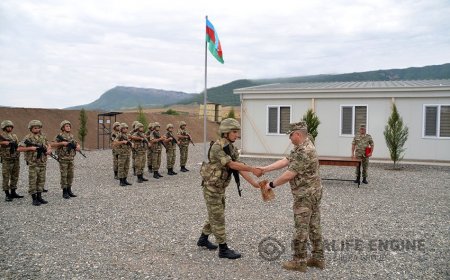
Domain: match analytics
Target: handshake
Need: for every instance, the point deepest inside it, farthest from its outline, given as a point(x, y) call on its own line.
point(267, 192)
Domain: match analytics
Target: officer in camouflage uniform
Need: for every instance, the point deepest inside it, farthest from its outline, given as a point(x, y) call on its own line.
point(150, 147)
point(36, 158)
point(114, 135)
point(306, 187)
point(216, 176)
point(10, 158)
point(123, 146)
point(184, 138)
point(140, 146)
point(359, 144)
point(133, 152)
point(156, 141)
point(171, 149)
point(66, 157)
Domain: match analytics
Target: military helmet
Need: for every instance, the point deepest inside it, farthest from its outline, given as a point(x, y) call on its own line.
point(133, 125)
point(123, 125)
point(182, 123)
point(229, 124)
point(116, 124)
point(169, 126)
point(150, 125)
point(34, 123)
point(7, 123)
point(63, 123)
point(138, 125)
point(156, 124)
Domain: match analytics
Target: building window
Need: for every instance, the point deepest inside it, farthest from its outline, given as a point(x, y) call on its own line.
point(352, 116)
point(278, 119)
point(436, 121)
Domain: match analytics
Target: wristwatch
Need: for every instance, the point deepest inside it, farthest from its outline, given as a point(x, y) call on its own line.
point(271, 185)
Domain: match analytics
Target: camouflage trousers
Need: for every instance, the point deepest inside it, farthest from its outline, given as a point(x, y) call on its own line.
point(365, 167)
point(115, 160)
point(66, 170)
point(215, 224)
point(149, 156)
point(171, 157)
point(307, 225)
point(124, 164)
point(10, 172)
point(133, 157)
point(36, 177)
point(184, 150)
point(156, 160)
point(140, 161)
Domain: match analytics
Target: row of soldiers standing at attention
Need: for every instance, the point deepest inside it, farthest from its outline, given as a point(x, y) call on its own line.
point(147, 146)
point(36, 149)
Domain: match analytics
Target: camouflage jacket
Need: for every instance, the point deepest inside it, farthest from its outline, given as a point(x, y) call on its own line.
point(32, 156)
point(122, 149)
point(156, 146)
point(361, 142)
point(171, 145)
point(114, 135)
point(304, 161)
point(139, 145)
point(5, 151)
point(64, 152)
point(183, 141)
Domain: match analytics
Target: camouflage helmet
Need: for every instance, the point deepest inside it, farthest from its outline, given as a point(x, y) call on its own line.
point(229, 124)
point(150, 125)
point(63, 123)
point(156, 124)
point(169, 126)
point(123, 125)
point(182, 123)
point(116, 124)
point(7, 123)
point(133, 124)
point(34, 123)
point(138, 125)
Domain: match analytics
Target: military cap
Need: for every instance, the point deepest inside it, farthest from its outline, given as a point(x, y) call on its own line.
point(182, 123)
point(63, 123)
point(301, 125)
point(34, 123)
point(169, 126)
point(362, 126)
point(229, 124)
point(7, 123)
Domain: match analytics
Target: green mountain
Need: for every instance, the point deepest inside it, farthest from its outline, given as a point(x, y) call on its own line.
point(120, 98)
point(224, 94)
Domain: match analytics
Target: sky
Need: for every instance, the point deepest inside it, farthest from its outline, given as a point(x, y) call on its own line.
point(61, 53)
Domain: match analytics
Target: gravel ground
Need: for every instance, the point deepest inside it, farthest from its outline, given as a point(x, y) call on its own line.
point(149, 231)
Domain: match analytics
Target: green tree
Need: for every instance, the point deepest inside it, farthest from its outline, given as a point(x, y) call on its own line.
point(313, 122)
point(83, 131)
point(171, 112)
point(231, 114)
point(395, 134)
point(141, 117)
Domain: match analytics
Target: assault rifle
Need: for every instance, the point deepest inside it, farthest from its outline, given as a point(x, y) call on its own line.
point(174, 141)
point(13, 145)
point(41, 149)
point(235, 173)
point(189, 137)
point(71, 146)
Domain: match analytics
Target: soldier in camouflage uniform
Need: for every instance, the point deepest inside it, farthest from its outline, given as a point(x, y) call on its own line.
point(156, 141)
point(140, 146)
point(216, 175)
point(66, 157)
point(359, 145)
point(306, 186)
point(36, 158)
point(10, 159)
point(123, 146)
point(171, 149)
point(114, 135)
point(150, 147)
point(133, 151)
point(184, 138)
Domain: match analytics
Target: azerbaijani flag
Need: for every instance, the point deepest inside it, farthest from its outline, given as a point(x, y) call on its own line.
point(213, 39)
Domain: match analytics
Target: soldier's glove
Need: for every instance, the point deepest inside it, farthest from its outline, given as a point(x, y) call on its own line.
point(267, 195)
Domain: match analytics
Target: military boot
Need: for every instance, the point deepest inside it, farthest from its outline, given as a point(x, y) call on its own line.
point(204, 242)
point(143, 178)
point(225, 252)
point(357, 180)
point(173, 172)
point(40, 199)
point(295, 264)
point(140, 180)
point(184, 169)
point(44, 190)
point(65, 194)
point(316, 263)
point(126, 182)
point(116, 175)
point(365, 180)
point(149, 169)
point(159, 174)
point(69, 191)
point(122, 183)
point(8, 196)
point(155, 175)
point(14, 194)
point(134, 171)
point(35, 201)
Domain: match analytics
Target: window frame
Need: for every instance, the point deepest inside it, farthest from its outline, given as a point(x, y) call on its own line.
point(438, 121)
point(353, 118)
point(278, 118)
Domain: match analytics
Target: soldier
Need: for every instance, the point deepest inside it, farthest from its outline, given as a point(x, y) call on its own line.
point(216, 174)
point(114, 135)
point(10, 158)
point(171, 148)
point(140, 145)
point(184, 138)
point(133, 152)
point(360, 143)
point(36, 148)
point(150, 147)
point(66, 149)
point(156, 141)
point(123, 146)
point(306, 186)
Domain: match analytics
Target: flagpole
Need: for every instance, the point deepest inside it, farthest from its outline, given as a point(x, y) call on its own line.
point(205, 157)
